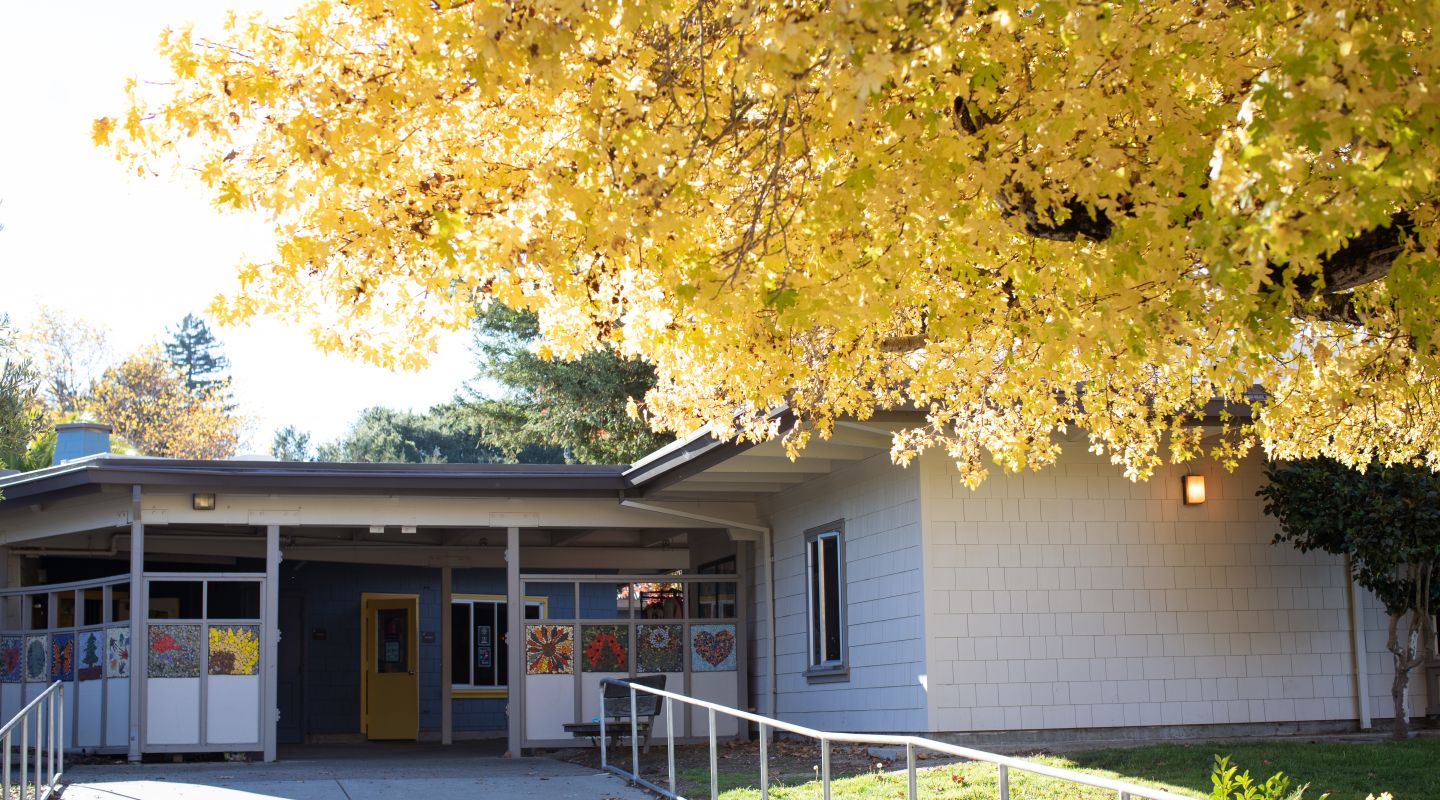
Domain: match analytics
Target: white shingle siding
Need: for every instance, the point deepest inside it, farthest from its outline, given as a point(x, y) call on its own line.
point(1075, 598)
point(880, 504)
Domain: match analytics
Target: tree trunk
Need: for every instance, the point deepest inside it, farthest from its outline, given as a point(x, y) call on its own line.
point(1398, 692)
point(1406, 658)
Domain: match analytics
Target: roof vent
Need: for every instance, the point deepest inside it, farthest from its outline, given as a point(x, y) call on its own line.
point(80, 439)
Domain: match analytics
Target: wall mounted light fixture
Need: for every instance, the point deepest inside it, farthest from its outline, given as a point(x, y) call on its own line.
point(1194, 490)
point(203, 501)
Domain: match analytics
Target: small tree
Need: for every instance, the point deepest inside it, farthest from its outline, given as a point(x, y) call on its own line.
point(1387, 520)
point(19, 400)
point(292, 444)
point(146, 400)
point(195, 352)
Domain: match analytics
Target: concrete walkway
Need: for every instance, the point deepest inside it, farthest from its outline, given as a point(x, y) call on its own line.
point(357, 772)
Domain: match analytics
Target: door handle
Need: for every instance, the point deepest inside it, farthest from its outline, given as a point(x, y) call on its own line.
point(412, 672)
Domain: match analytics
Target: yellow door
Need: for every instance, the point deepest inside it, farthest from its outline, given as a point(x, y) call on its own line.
point(392, 679)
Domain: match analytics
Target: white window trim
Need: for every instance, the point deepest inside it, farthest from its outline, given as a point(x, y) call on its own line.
point(473, 600)
point(837, 668)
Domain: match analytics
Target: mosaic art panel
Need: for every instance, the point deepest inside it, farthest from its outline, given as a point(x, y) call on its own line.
point(174, 651)
point(549, 649)
point(37, 658)
point(234, 650)
point(605, 648)
point(62, 657)
point(712, 648)
point(12, 659)
point(117, 652)
point(90, 656)
point(659, 648)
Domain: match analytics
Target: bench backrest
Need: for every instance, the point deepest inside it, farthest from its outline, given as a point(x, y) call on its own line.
point(617, 698)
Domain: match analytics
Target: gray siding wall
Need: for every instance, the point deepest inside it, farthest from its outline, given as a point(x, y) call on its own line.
point(880, 504)
point(1075, 598)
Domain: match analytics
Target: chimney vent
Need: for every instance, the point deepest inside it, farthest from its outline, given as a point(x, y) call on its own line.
point(80, 439)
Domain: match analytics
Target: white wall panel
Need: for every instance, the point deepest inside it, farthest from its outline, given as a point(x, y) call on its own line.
point(549, 704)
point(716, 687)
point(90, 703)
point(232, 709)
point(172, 711)
point(117, 712)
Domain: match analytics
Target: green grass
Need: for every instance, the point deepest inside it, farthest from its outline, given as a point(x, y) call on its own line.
point(1408, 770)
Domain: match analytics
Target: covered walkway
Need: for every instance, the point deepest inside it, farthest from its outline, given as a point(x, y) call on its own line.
point(374, 771)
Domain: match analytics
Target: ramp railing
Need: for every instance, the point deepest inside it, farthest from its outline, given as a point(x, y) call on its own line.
point(1004, 764)
point(38, 734)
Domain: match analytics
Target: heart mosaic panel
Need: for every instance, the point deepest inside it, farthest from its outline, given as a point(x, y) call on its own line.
point(712, 648)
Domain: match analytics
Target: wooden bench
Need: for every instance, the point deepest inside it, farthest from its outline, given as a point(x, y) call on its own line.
point(617, 713)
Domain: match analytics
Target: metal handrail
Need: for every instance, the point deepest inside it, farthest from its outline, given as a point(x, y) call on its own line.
point(1124, 790)
point(46, 716)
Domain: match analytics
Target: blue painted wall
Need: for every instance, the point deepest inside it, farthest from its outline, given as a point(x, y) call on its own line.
point(330, 594)
point(331, 597)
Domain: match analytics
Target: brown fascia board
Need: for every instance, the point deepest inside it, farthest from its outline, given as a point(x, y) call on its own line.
point(508, 480)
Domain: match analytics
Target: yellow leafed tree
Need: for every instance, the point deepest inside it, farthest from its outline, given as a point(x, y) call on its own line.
point(1015, 217)
point(147, 402)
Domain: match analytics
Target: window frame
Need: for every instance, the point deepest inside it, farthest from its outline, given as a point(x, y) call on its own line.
point(837, 668)
point(468, 689)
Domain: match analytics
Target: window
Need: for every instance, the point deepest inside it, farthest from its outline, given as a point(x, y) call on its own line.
point(479, 652)
point(825, 593)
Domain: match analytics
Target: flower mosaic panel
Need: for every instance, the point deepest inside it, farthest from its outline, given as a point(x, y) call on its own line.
point(90, 656)
point(174, 651)
point(712, 648)
point(659, 648)
point(12, 659)
point(62, 657)
point(117, 652)
point(37, 658)
point(549, 649)
point(605, 648)
point(234, 650)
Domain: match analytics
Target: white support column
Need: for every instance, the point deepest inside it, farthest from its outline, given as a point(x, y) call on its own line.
point(269, 690)
point(447, 711)
point(1357, 649)
point(515, 640)
point(139, 631)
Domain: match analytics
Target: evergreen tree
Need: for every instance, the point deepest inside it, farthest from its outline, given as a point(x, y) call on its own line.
point(195, 352)
point(292, 444)
point(578, 408)
point(446, 433)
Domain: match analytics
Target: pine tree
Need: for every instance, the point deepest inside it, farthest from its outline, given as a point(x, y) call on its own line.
point(91, 657)
point(194, 351)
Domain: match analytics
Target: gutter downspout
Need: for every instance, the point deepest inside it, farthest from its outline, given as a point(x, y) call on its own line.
point(767, 566)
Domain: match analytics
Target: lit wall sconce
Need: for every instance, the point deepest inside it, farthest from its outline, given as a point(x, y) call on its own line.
point(204, 501)
point(1194, 490)
point(377, 528)
point(407, 528)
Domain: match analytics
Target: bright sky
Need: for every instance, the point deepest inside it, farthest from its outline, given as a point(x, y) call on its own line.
point(135, 255)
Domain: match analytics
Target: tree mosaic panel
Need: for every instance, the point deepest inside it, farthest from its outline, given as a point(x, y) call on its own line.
point(37, 658)
point(234, 650)
point(117, 652)
point(712, 648)
point(659, 648)
point(12, 659)
point(174, 651)
point(605, 648)
point(90, 656)
point(549, 649)
point(62, 657)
